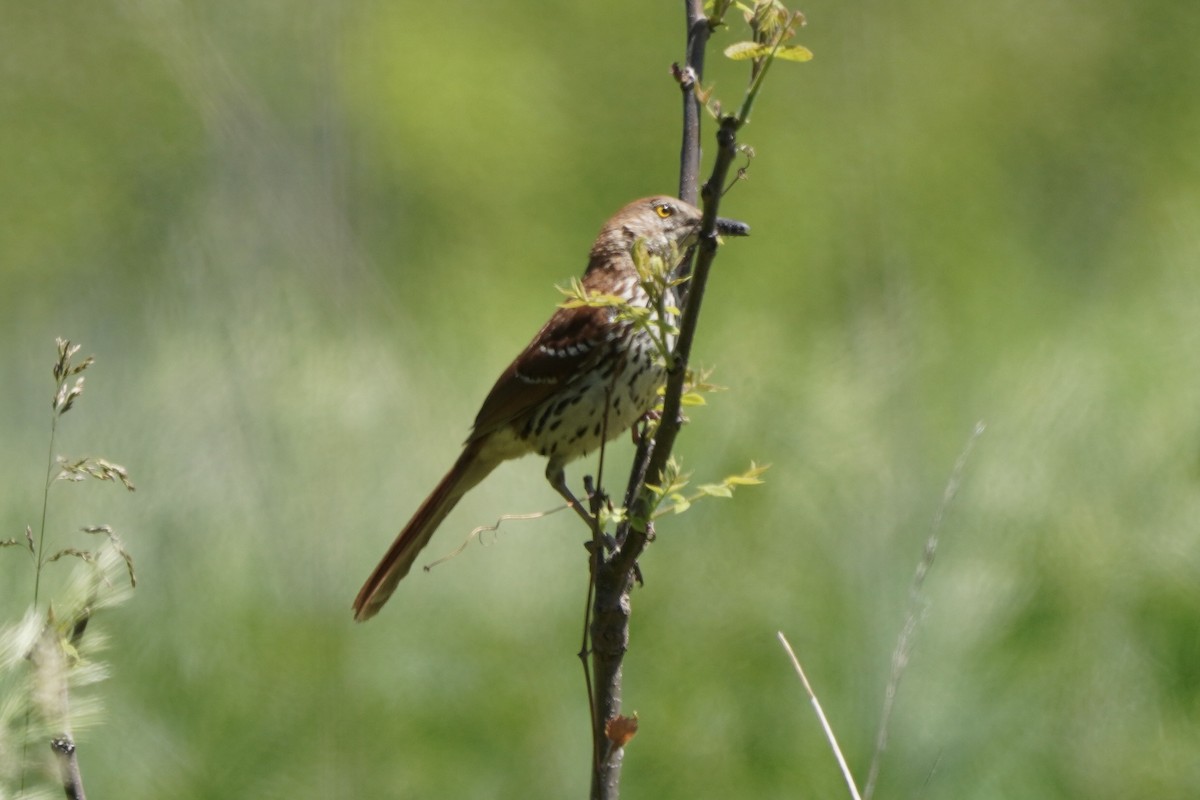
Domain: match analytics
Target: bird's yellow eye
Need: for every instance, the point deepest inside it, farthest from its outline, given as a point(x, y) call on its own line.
point(663, 210)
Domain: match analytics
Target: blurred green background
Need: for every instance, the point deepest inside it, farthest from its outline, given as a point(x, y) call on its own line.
point(303, 239)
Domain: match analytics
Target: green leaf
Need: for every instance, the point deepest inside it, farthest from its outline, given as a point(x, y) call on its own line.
point(692, 399)
point(682, 504)
point(794, 52)
point(715, 490)
point(741, 51)
point(745, 9)
point(749, 477)
point(613, 516)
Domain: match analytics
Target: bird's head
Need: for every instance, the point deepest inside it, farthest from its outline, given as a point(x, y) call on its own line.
point(659, 222)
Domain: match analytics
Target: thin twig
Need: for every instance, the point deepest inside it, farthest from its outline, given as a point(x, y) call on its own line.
point(595, 560)
point(812, 696)
point(584, 652)
point(477, 532)
point(41, 545)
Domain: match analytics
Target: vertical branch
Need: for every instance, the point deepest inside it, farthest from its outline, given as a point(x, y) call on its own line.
point(610, 640)
point(613, 582)
point(615, 576)
point(689, 77)
point(672, 416)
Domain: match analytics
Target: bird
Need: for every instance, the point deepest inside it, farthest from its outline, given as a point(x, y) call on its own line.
point(585, 377)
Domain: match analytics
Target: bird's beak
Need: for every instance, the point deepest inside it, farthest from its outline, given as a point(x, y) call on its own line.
point(731, 227)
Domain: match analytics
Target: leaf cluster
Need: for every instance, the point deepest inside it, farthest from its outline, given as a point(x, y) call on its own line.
point(658, 278)
point(671, 498)
point(772, 25)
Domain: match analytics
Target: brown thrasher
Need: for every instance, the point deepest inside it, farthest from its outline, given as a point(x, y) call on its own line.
point(585, 377)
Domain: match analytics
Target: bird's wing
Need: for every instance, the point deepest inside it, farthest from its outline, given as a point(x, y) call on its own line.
point(565, 348)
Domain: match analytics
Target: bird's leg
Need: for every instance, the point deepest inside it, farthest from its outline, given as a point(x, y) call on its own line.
point(558, 480)
point(589, 489)
point(642, 429)
point(597, 498)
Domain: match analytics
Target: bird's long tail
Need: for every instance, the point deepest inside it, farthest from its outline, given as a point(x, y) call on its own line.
point(468, 471)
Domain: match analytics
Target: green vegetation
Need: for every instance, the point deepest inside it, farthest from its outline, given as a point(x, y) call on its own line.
point(303, 240)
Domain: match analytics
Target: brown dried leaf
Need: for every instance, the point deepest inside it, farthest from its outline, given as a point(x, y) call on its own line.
point(620, 729)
